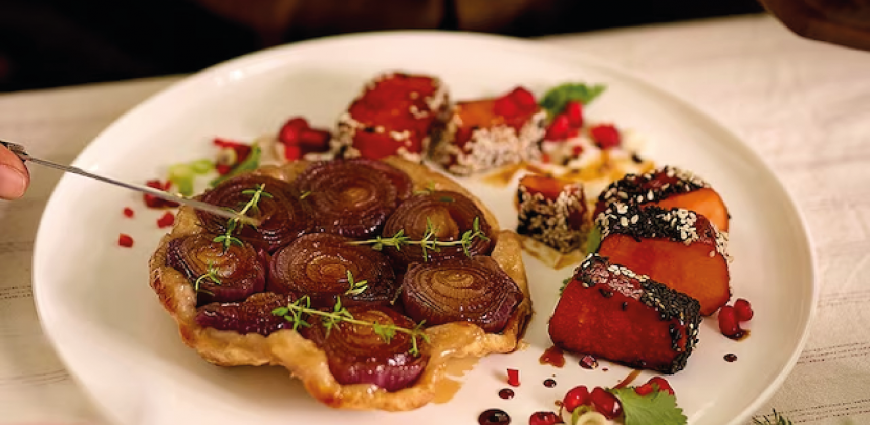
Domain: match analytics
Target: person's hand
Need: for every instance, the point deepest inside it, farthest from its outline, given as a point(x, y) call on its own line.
point(14, 177)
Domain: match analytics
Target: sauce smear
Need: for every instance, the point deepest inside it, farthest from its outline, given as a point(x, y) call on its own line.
point(628, 379)
point(553, 356)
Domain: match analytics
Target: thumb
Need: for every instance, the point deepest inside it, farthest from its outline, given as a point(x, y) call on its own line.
point(14, 177)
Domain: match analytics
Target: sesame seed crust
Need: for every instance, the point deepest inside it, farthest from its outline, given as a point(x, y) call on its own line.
point(667, 303)
point(488, 147)
point(547, 220)
point(677, 224)
point(653, 186)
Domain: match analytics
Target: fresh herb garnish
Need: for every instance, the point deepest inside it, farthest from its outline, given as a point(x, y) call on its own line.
point(774, 419)
point(297, 311)
point(430, 187)
point(428, 242)
point(227, 239)
point(556, 98)
point(356, 287)
point(655, 408)
point(564, 284)
point(211, 275)
point(304, 194)
point(593, 241)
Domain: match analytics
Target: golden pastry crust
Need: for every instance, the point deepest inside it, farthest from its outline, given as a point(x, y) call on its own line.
point(305, 360)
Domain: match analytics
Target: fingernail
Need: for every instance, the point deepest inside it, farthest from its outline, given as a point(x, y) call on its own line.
point(12, 183)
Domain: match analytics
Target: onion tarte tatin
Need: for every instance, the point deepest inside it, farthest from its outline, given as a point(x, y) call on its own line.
point(355, 281)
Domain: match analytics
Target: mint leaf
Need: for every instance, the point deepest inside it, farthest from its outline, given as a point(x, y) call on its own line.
point(593, 241)
point(655, 408)
point(556, 98)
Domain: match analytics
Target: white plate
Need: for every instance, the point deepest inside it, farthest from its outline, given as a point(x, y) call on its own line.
point(97, 308)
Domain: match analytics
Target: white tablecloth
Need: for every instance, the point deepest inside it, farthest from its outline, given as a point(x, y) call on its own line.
point(803, 105)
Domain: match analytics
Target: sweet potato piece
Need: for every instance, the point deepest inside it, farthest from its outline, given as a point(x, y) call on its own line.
point(609, 312)
point(677, 247)
point(667, 187)
point(479, 137)
point(552, 211)
point(393, 116)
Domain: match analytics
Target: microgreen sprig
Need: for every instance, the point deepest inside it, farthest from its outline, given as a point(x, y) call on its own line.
point(298, 311)
point(429, 241)
point(774, 419)
point(356, 287)
point(211, 275)
point(232, 224)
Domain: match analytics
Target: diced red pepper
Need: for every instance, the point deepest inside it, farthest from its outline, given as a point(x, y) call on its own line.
point(128, 212)
point(314, 140)
point(152, 201)
point(513, 377)
point(524, 98)
point(558, 129)
point(125, 240)
point(166, 220)
point(505, 107)
point(574, 112)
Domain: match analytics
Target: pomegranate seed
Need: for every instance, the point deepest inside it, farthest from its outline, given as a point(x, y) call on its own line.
point(524, 98)
point(605, 136)
point(125, 240)
point(574, 112)
point(558, 129)
point(128, 212)
point(505, 107)
point(576, 151)
point(292, 152)
point(154, 184)
point(513, 377)
point(605, 403)
point(662, 383)
point(314, 140)
point(290, 131)
point(576, 397)
point(544, 418)
point(743, 310)
point(166, 220)
point(644, 389)
point(728, 321)
point(223, 168)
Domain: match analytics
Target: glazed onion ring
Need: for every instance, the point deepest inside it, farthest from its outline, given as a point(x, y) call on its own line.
point(317, 265)
point(474, 290)
point(353, 197)
point(283, 216)
point(253, 315)
point(451, 213)
point(358, 355)
point(240, 270)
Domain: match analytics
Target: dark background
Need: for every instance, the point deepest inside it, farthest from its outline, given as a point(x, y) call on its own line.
point(49, 43)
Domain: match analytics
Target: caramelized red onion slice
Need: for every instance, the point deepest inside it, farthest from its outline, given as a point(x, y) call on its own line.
point(282, 213)
point(358, 355)
point(317, 265)
point(474, 290)
point(353, 197)
point(241, 270)
point(451, 213)
point(253, 315)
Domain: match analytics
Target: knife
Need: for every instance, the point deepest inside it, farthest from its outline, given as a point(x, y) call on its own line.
point(202, 206)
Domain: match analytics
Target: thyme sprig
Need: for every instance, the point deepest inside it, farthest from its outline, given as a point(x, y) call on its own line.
point(356, 287)
point(429, 241)
point(227, 239)
point(212, 275)
point(774, 419)
point(298, 311)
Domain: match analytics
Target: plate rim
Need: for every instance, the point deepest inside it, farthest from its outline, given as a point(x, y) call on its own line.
point(564, 55)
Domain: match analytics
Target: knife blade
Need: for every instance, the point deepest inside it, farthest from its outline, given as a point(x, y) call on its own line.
point(193, 203)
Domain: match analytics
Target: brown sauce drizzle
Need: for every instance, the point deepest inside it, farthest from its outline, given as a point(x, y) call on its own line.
point(553, 356)
point(628, 379)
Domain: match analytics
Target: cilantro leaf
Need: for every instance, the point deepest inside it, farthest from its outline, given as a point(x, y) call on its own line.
point(655, 408)
point(556, 98)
